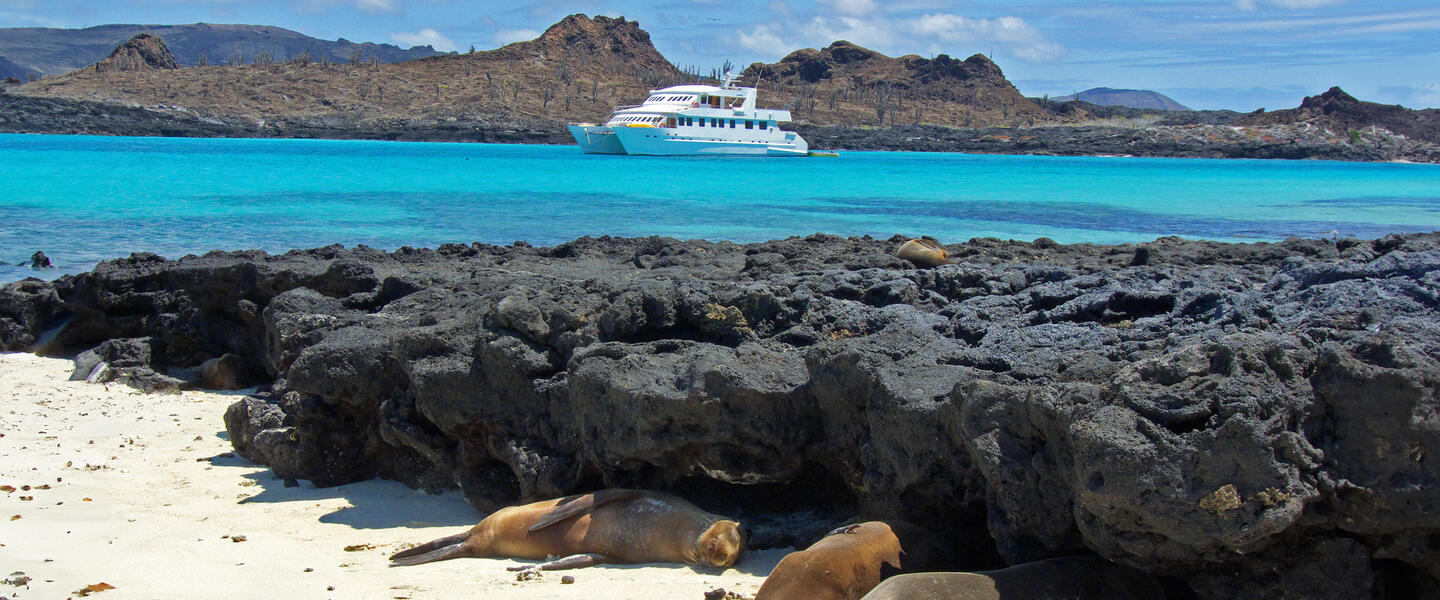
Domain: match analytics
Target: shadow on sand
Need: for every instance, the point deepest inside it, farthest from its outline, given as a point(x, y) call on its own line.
point(374, 504)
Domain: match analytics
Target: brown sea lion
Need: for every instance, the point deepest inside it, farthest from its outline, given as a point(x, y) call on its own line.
point(1077, 578)
point(924, 252)
point(608, 526)
point(851, 560)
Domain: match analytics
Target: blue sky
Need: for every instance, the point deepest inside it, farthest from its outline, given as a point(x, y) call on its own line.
point(1236, 54)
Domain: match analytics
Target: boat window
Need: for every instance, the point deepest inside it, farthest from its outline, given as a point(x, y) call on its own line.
point(749, 124)
point(732, 123)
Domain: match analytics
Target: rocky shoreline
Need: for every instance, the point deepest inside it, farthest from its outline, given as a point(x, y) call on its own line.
point(1294, 141)
point(1245, 420)
point(21, 114)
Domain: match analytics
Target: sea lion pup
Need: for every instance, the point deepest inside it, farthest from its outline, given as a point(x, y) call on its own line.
point(608, 526)
point(1074, 578)
point(924, 252)
point(851, 560)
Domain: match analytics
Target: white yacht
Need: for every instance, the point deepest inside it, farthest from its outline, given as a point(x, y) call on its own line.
point(693, 119)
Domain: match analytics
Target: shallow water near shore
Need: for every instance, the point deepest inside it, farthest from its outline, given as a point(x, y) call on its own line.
point(82, 199)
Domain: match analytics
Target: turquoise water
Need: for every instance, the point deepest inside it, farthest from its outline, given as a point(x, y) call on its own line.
point(82, 199)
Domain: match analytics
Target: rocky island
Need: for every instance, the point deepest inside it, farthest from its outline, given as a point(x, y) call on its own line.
point(843, 96)
point(1240, 420)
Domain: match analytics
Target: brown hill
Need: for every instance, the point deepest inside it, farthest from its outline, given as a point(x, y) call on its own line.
point(143, 52)
point(847, 84)
point(1340, 112)
point(578, 69)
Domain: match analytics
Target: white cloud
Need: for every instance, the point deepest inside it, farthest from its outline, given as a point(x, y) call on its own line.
point(16, 18)
point(1022, 39)
point(764, 41)
point(937, 32)
point(868, 32)
point(1427, 94)
point(367, 6)
point(509, 36)
point(426, 36)
point(854, 8)
point(781, 9)
point(374, 6)
point(1290, 4)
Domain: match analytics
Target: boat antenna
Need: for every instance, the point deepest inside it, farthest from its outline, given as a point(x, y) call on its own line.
point(729, 79)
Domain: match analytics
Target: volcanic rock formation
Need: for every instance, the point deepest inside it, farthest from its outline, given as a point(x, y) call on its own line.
point(1341, 112)
point(143, 52)
point(846, 84)
point(1249, 421)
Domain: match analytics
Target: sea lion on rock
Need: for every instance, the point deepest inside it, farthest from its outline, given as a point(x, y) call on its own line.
point(608, 526)
point(849, 561)
point(1075, 578)
point(924, 252)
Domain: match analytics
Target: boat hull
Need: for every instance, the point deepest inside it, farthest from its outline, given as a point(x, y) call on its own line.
point(652, 141)
point(596, 139)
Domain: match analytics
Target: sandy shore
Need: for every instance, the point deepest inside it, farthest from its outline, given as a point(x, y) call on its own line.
point(141, 492)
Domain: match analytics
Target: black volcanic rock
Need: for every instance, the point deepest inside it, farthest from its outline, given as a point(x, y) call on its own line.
point(1251, 421)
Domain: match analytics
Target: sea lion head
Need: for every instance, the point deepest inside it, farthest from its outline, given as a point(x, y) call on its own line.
point(720, 545)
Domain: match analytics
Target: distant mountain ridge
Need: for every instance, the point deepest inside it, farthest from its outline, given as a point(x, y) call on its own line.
point(1144, 99)
point(48, 51)
point(8, 70)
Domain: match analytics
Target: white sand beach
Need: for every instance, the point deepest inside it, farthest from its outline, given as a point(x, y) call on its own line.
point(141, 492)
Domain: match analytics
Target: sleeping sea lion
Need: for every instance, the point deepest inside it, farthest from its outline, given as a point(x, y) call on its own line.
point(851, 560)
point(1075, 578)
point(924, 253)
point(608, 526)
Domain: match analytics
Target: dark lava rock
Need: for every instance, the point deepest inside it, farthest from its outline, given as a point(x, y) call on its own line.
point(1241, 420)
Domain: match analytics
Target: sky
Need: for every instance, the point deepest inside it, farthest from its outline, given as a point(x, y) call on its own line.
point(1221, 54)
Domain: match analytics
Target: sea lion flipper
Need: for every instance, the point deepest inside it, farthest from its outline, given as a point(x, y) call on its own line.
point(574, 561)
point(456, 550)
point(448, 540)
point(579, 505)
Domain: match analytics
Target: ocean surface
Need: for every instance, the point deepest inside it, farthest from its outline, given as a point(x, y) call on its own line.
point(83, 199)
